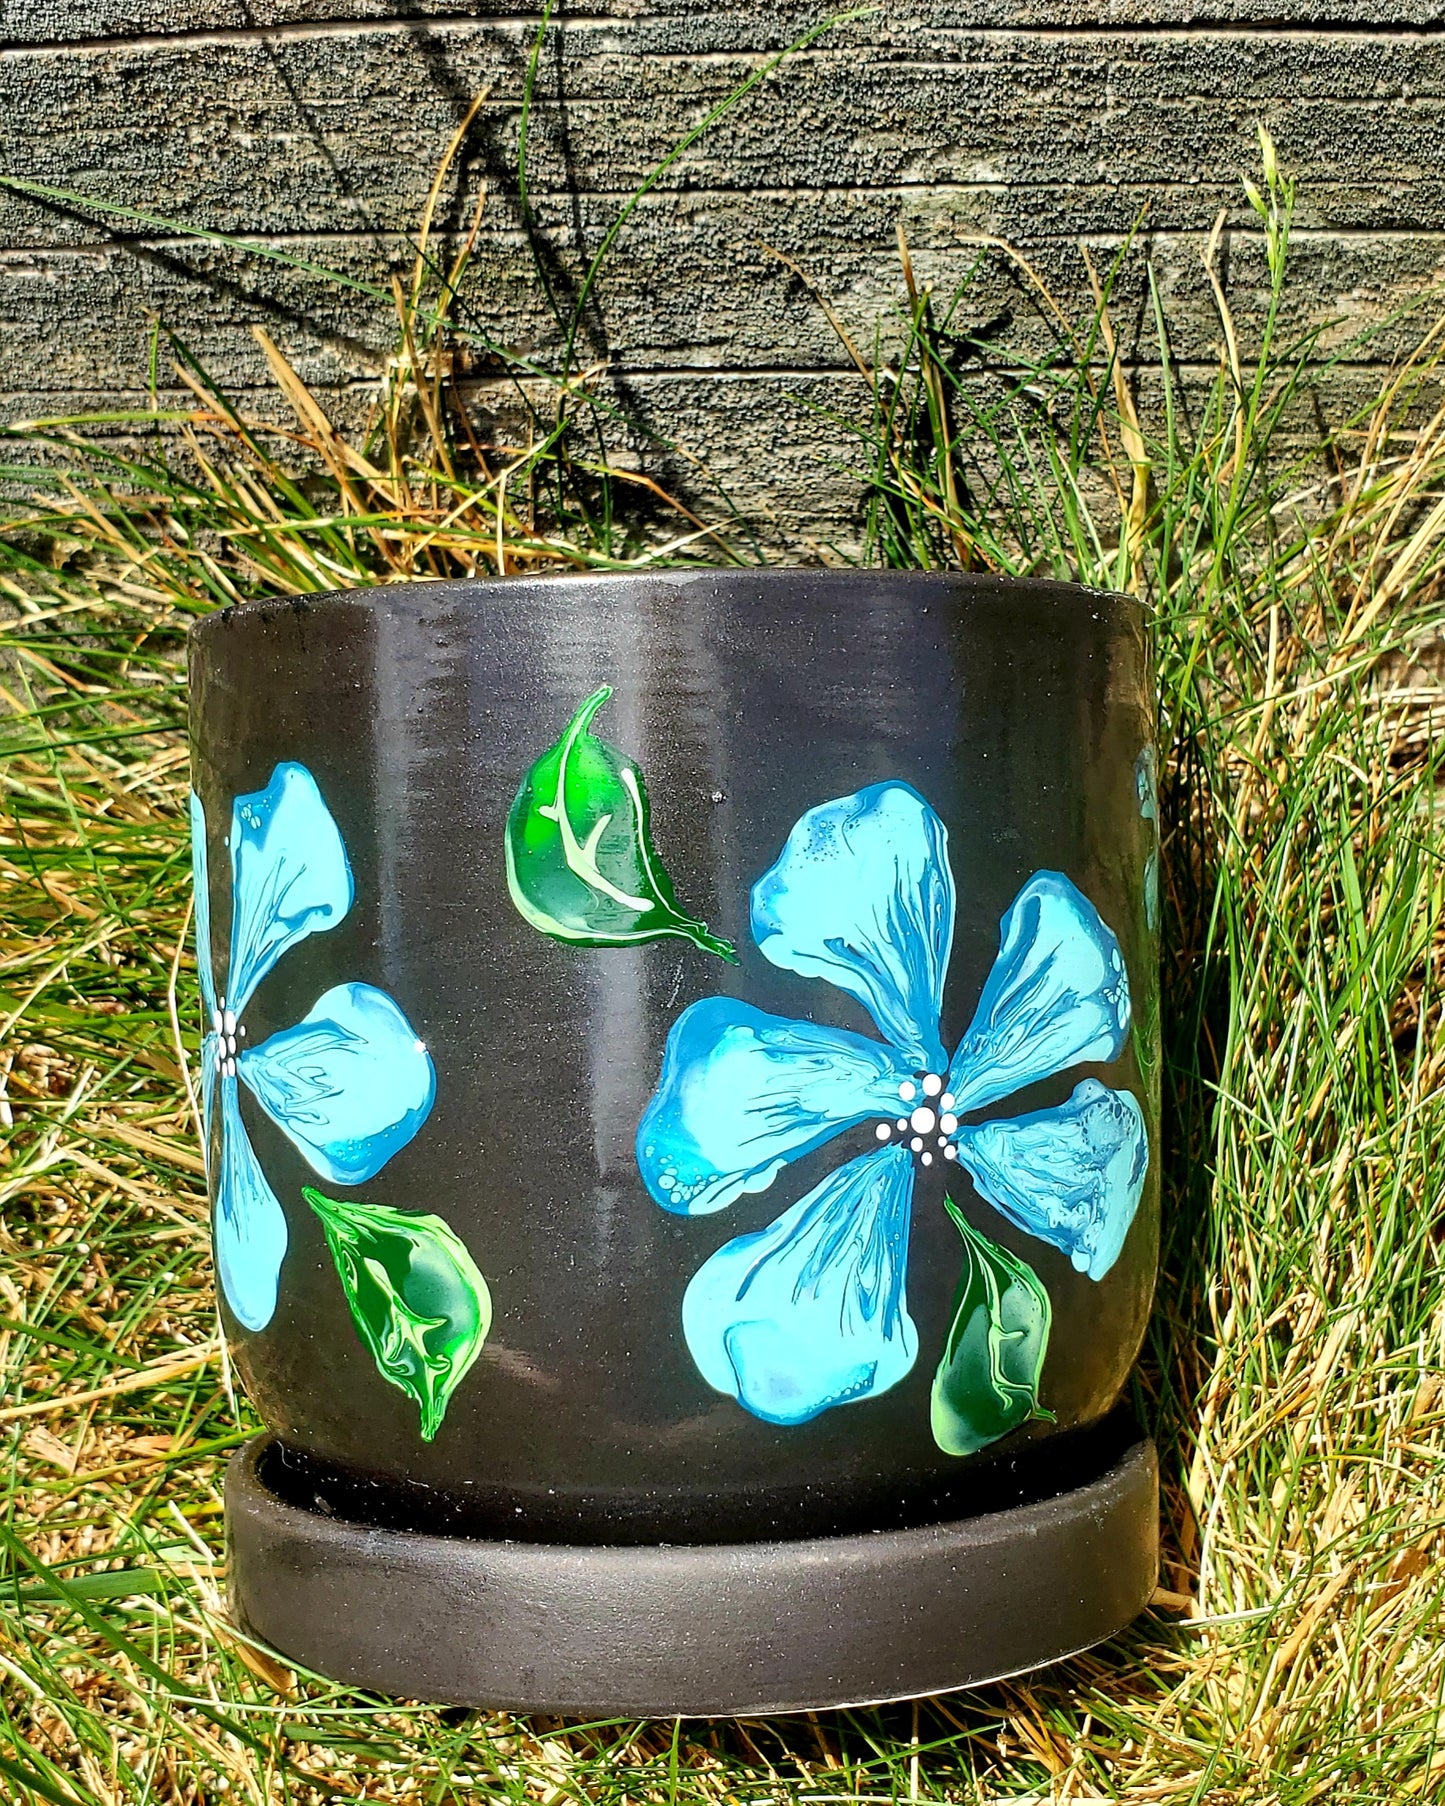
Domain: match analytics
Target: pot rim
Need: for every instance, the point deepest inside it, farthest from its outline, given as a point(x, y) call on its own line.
point(421, 591)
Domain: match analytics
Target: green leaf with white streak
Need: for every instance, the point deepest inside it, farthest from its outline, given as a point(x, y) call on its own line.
point(988, 1380)
point(581, 866)
point(416, 1297)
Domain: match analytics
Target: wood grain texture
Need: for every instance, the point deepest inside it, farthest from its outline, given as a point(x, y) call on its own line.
point(692, 288)
point(312, 133)
point(316, 125)
point(48, 22)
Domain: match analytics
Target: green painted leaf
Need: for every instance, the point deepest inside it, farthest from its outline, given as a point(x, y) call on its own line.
point(581, 866)
point(416, 1297)
point(988, 1380)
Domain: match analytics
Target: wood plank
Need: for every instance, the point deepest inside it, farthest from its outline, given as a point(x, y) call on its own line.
point(55, 22)
point(272, 138)
point(62, 21)
point(691, 284)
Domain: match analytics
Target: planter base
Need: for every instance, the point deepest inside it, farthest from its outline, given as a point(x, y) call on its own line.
point(698, 1629)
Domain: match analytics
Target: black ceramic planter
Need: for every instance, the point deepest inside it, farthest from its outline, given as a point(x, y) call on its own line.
point(681, 1082)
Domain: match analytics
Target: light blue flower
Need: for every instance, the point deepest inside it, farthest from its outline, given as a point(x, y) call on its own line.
point(811, 1312)
point(348, 1085)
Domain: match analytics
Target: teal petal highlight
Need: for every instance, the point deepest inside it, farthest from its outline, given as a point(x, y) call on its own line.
point(349, 1085)
point(210, 1076)
point(742, 1093)
point(290, 876)
point(250, 1226)
point(811, 1312)
point(1071, 1176)
point(210, 1046)
point(1057, 995)
point(201, 884)
point(862, 895)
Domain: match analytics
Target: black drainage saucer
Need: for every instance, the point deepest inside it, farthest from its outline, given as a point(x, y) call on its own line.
point(698, 1629)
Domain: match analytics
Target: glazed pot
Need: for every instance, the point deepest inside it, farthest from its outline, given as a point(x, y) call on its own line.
point(681, 1082)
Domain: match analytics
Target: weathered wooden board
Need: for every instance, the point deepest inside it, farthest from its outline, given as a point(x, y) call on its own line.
point(316, 132)
point(47, 22)
point(690, 286)
point(315, 126)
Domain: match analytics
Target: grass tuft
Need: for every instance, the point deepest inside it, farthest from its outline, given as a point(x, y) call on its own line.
point(1296, 1370)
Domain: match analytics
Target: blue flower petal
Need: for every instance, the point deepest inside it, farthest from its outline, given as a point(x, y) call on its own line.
point(1072, 1176)
point(1058, 994)
point(810, 1312)
point(742, 1093)
point(349, 1085)
point(862, 895)
point(250, 1224)
point(210, 1075)
point(290, 876)
point(201, 885)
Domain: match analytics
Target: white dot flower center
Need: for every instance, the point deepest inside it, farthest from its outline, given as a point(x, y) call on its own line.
point(223, 1026)
point(923, 1118)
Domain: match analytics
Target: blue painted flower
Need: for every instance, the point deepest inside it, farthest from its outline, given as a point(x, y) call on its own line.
point(348, 1085)
point(811, 1312)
